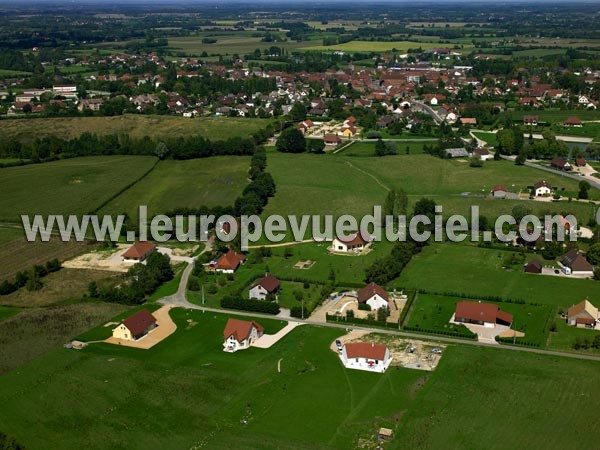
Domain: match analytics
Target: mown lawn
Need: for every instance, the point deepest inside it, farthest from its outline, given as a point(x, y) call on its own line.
point(433, 313)
point(501, 399)
point(70, 186)
point(474, 271)
point(192, 183)
point(187, 392)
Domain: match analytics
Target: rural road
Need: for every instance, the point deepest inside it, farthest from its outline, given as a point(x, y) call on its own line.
point(179, 300)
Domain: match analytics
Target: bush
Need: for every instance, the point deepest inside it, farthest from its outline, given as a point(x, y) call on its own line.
point(193, 284)
point(262, 306)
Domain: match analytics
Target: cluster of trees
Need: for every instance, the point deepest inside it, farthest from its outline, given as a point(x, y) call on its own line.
point(8, 443)
point(385, 148)
point(30, 279)
point(386, 269)
point(89, 144)
point(256, 195)
point(586, 343)
point(141, 280)
point(238, 302)
point(291, 140)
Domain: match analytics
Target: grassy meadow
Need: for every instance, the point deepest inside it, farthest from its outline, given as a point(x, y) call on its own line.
point(475, 271)
point(71, 186)
point(135, 125)
point(368, 46)
point(192, 183)
point(108, 397)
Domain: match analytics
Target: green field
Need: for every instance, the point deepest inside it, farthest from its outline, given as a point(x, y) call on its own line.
point(135, 125)
point(475, 271)
point(500, 399)
point(343, 184)
point(557, 115)
point(227, 44)
point(359, 148)
point(187, 383)
point(186, 392)
point(368, 46)
point(433, 313)
point(192, 183)
point(71, 186)
point(7, 312)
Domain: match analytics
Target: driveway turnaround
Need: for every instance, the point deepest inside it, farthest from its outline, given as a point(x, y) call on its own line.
point(165, 328)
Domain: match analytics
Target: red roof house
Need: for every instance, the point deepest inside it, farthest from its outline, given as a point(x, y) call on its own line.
point(139, 251)
point(486, 314)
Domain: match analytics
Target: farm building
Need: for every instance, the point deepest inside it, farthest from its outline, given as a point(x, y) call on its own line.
point(135, 327)
point(534, 266)
point(263, 287)
point(485, 314)
point(353, 243)
point(573, 122)
point(366, 356)
point(240, 334)
point(542, 188)
point(483, 153)
point(139, 251)
point(561, 164)
point(456, 152)
point(468, 121)
point(583, 315)
point(228, 262)
point(374, 296)
point(574, 263)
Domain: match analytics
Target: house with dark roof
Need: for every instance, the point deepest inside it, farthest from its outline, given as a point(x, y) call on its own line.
point(533, 266)
point(499, 191)
point(240, 334)
point(374, 296)
point(366, 356)
point(561, 164)
point(354, 243)
point(573, 122)
point(268, 285)
point(331, 139)
point(228, 262)
point(574, 263)
point(477, 313)
point(136, 326)
point(530, 120)
point(139, 251)
point(542, 188)
point(583, 315)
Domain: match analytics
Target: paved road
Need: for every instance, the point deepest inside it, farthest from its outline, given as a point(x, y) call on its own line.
point(429, 110)
point(179, 300)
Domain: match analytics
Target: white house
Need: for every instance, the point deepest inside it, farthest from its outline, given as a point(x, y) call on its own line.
point(354, 243)
point(374, 296)
point(240, 334)
point(365, 356)
point(263, 287)
point(542, 188)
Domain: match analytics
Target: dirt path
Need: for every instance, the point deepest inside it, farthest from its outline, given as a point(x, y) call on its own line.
point(165, 328)
point(377, 180)
point(282, 244)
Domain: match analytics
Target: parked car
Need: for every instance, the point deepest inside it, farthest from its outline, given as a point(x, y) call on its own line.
point(339, 345)
point(437, 351)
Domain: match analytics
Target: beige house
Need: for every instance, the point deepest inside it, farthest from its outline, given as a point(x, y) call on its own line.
point(354, 243)
point(135, 327)
point(583, 315)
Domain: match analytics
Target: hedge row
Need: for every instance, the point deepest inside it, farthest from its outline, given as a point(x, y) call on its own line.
point(250, 305)
point(358, 321)
point(412, 295)
point(512, 341)
point(490, 298)
point(37, 272)
point(466, 334)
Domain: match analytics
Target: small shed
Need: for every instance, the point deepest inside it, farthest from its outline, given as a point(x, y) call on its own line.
point(385, 434)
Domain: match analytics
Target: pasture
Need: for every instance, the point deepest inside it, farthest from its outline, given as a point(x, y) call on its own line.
point(187, 383)
point(71, 186)
point(192, 183)
point(477, 272)
point(135, 125)
point(368, 46)
point(501, 399)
